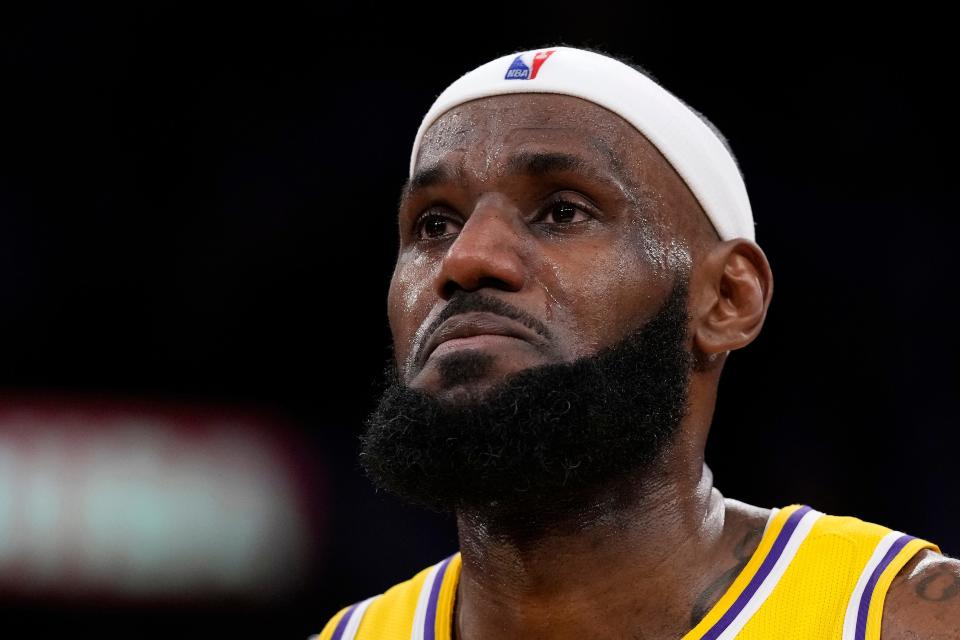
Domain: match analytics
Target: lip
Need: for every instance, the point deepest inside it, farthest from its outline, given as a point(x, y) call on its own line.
point(478, 323)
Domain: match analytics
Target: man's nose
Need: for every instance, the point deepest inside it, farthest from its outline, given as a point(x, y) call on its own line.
point(486, 252)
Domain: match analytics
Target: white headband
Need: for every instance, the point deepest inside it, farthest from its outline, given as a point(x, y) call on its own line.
point(691, 147)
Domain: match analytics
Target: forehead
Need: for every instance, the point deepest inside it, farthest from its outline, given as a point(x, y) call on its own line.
point(481, 130)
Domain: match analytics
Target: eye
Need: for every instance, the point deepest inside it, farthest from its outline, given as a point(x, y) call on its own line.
point(432, 226)
point(564, 212)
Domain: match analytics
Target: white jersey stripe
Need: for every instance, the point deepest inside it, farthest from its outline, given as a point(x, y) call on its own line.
point(770, 582)
point(419, 617)
point(353, 625)
point(853, 605)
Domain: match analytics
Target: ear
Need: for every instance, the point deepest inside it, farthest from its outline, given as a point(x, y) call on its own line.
point(732, 293)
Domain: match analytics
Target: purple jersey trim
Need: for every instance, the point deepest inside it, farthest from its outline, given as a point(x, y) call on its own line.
point(765, 568)
point(861, 631)
point(430, 619)
point(342, 625)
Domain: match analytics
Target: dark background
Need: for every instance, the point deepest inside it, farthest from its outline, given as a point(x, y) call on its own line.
point(197, 204)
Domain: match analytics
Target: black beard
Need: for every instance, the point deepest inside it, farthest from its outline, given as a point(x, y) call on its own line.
point(542, 440)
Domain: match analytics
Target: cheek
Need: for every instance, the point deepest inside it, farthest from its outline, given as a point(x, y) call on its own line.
point(607, 293)
point(408, 301)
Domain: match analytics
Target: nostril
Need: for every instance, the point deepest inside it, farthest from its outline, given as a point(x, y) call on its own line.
point(450, 287)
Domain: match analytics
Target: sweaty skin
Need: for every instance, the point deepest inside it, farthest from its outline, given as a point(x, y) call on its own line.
point(562, 209)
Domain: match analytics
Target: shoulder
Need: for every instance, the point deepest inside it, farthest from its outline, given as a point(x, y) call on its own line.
point(906, 588)
point(923, 602)
point(874, 582)
point(392, 613)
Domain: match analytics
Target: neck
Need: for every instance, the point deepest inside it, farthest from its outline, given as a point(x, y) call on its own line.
point(630, 561)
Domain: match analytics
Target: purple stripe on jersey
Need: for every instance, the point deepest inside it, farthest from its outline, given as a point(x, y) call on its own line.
point(430, 620)
point(861, 631)
point(342, 625)
point(765, 568)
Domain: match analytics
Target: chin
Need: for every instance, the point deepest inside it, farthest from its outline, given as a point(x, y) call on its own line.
point(465, 375)
point(462, 395)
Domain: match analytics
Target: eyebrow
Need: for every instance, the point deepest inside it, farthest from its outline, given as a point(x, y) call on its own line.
point(535, 164)
point(541, 164)
point(437, 174)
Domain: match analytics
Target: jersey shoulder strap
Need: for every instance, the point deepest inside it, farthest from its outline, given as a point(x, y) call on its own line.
point(836, 582)
point(887, 556)
point(411, 610)
point(747, 597)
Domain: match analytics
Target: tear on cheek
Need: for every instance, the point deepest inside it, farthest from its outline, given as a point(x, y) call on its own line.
point(410, 298)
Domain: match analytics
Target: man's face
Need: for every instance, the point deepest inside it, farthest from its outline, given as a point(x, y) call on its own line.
point(562, 217)
point(539, 309)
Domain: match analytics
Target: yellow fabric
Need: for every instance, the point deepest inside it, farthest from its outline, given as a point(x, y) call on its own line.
point(327, 632)
point(390, 616)
point(809, 601)
point(741, 581)
point(811, 598)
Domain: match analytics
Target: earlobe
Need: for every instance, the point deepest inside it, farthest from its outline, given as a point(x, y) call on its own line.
point(736, 285)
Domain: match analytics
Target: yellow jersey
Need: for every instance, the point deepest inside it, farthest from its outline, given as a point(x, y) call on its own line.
point(811, 576)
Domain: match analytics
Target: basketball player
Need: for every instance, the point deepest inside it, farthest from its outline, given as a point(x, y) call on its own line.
point(577, 260)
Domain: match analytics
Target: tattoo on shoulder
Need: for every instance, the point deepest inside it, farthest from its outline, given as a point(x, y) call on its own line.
point(745, 548)
point(941, 585)
point(743, 551)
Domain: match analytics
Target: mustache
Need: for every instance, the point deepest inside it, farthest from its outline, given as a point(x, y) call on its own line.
point(462, 302)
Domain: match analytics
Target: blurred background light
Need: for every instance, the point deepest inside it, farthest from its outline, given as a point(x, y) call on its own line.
point(124, 502)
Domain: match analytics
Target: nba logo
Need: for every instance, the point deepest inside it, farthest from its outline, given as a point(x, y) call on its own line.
point(520, 70)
